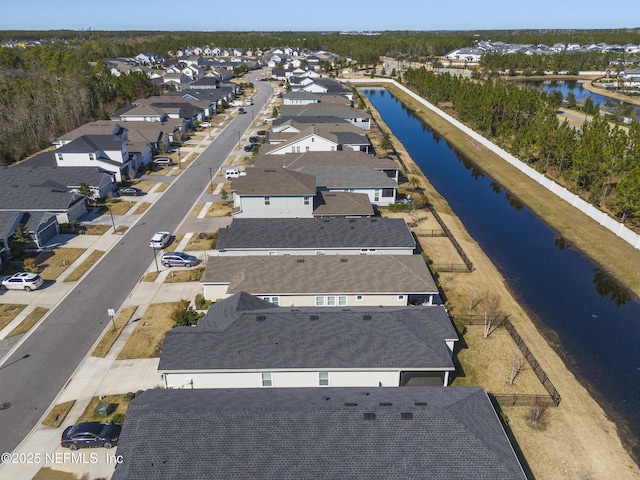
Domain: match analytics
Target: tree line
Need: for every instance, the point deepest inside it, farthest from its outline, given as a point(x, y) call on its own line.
point(600, 162)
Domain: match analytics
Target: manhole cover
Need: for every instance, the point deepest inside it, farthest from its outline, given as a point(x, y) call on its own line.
point(4, 406)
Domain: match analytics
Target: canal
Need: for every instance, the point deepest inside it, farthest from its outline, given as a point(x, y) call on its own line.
point(595, 321)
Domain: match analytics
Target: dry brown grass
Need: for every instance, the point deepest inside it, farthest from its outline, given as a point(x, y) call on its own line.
point(219, 209)
point(146, 339)
point(110, 335)
point(141, 208)
point(97, 229)
point(190, 275)
point(52, 264)
point(151, 276)
point(144, 185)
point(161, 187)
point(196, 210)
point(30, 320)
point(197, 243)
point(81, 269)
point(88, 416)
point(47, 473)
point(121, 208)
point(174, 244)
point(58, 413)
point(9, 311)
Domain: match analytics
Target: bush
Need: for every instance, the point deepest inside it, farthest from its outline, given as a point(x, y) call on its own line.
point(129, 396)
point(201, 302)
point(117, 418)
point(30, 264)
point(400, 207)
point(196, 275)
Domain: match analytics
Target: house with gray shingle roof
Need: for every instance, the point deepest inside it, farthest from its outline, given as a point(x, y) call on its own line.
point(331, 433)
point(315, 236)
point(323, 137)
point(354, 116)
point(341, 204)
point(310, 347)
point(323, 280)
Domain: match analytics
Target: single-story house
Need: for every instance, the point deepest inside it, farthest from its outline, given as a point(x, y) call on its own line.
point(242, 344)
point(315, 236)
point(323, 280)
point(431, 433)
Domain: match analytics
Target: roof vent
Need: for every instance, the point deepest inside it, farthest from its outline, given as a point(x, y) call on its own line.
point(350, 404)
point(420, 404)
point(261, 318)
point(406, 416)
point(385, 404)
point(314, 317)
point(366, 317)
point(269, 171)
point(373, 220)
point(343, 260)
point(369, 415)
point(300, 260)
point(352, 220)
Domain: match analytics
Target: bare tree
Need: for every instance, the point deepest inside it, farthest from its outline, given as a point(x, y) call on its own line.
point(536, 415)
point(492, 311)
point(517, 364)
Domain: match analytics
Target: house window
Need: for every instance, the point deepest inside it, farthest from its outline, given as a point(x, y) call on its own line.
point(307, 148)
point(59, 157)
point(376, 195)
point(359, 298)
point(92, 156)
point(273, 253)
point(267, 200)
point(266, 379)
point(387, 192)
point(331, 301)
point(333, 148)
point(323, 379)
point(319, 301)
point(400, 298)
point(319, 252)
point(307, 200)
point(274, 300)
point(342, 300)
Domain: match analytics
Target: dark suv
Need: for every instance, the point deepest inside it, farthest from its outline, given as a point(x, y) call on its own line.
point(178, 259)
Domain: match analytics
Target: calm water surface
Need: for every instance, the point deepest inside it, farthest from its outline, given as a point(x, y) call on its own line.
point(593, 321)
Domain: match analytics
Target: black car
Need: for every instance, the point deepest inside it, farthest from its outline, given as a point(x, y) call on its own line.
point(131, 192)
point(178, 259)
point(262, 132)
point(249, 148)
point(254, 139)
point(91, 435)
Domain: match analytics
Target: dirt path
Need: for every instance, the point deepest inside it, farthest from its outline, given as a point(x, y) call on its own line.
point(575, 440)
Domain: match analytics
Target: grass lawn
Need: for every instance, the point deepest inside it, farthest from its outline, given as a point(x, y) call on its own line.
point(30, 320)
point(58, 413)
point(120, 208)
point(47, 473)
point(97, 229)
point(145, 186)
point(219, 209)
point(84, 266)
point(110, 336)
point(196, 210)
point(174, 244)
point(142, 207)
point(9, 311)
point(53, 263)
point(150, 277)
point(88, 416)
point(207, 243)
point(191, 275)
point(146, 339)
point(162, 187)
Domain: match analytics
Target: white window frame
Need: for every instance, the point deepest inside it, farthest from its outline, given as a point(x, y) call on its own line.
point(92, 156)
point(331, 301)
point(267, 201)
point(376, 195)
point(60, 158)
point(320, 301)
point(307, 200)
point(342, 300)
point(321, 379)
point(401, 298)
point(272, 299)
point(267, 379)
point(359, 297)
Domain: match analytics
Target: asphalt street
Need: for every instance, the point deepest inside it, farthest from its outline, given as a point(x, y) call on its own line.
point(32, 376)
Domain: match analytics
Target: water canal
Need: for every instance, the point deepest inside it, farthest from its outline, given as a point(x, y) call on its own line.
point(596, 323)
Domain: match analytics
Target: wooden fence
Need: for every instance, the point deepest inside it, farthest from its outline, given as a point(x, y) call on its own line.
point(454, 242)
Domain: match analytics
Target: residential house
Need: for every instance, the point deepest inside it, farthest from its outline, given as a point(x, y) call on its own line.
point(305, 98)
point(323, 137)
point(341, 204)
point(320, 433)
point(243, 344)
point(315, 236)
point(323, 280)
point(356, 117)
point(269, 193)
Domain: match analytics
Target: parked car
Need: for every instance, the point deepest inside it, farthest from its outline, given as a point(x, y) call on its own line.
point(23, 281)
point(91, 435)
point(242, 110)
point(254, 139)
point(262, 132)
point(249, 148)
point(233, 173)
point(130, 192)
point(160, 240)
point(178, 259)
point(205, 124)
point(162, 161)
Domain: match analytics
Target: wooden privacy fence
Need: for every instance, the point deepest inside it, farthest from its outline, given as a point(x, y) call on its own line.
point(552, 399)
point(449, 235)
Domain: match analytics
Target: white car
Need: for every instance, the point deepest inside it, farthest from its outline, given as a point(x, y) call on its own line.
point(160, 240)
point(23, 281)
point(205, 124)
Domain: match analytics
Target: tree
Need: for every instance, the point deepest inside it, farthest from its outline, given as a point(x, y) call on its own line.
point(517, 364)
point(86, 191)
point(491, 305)
point(19, 240)
point(274, 112)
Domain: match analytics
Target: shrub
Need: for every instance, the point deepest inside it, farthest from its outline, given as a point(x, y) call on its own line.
point(129, 396)
point(201, 302)
point(30, 264)
point(196, 275)
point(117, 418)
point(399, 207)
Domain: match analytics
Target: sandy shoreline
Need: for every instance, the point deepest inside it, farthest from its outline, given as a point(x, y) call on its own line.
point(578, 440)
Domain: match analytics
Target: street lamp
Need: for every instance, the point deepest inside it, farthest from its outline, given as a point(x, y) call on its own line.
point(211, 177)
point(238, 138)
point(155, 258)
point(112, 220)
point(179, 162)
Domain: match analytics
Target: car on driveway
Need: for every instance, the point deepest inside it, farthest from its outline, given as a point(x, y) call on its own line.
point(205, 124)
point(91, 435)
point(254, 139)
point(23, 281)
point(178, 259)
point(130, 192)
point(160, 240)
point(262, 132)
point(162, 161)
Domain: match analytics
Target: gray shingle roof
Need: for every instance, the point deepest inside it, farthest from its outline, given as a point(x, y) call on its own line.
point(332, 274)
point(274, 181)
point(435, 433)
point(349, 177)
point(328, 204)
point(325, 159)
point(315, 109)
point(319, 338)
point(91, 144)
point(270, 233)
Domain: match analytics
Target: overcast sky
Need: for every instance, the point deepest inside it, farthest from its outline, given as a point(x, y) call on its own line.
point(324, 15)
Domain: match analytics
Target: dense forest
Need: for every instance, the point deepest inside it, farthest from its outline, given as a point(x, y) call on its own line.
point(598, 161)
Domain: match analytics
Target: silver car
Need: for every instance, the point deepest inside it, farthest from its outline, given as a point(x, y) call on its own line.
point(160, 240)
point(178, 259)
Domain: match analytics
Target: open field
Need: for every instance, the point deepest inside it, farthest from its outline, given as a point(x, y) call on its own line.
point(575, 439)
